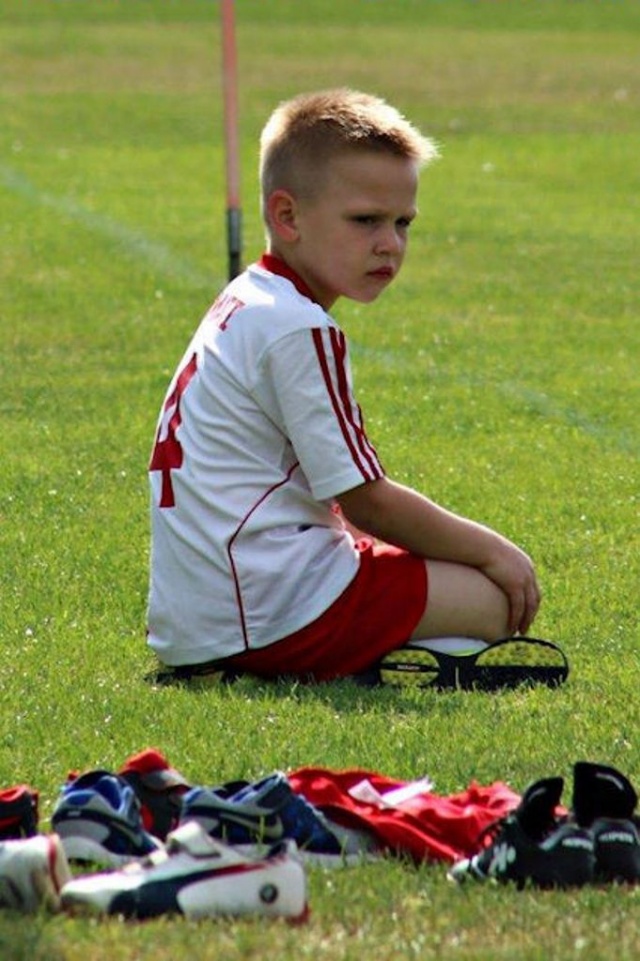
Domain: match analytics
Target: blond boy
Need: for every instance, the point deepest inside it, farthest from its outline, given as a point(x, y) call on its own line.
point(263, 477)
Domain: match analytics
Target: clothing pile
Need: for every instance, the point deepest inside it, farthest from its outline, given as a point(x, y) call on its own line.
point(143, 841)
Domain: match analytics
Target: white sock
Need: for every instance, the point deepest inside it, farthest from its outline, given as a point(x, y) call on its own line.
point(451, 645)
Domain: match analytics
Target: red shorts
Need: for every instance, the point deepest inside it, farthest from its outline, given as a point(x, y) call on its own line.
point(375, 614)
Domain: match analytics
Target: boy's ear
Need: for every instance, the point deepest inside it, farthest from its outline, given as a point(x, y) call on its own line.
point(282, 215)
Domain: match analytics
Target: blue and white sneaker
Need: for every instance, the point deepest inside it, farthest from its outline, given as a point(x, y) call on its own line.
point(198, 877)
point(254, 815)
point(98, 819)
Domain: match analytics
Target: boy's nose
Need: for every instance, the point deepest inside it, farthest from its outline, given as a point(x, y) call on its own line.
point(390, 241)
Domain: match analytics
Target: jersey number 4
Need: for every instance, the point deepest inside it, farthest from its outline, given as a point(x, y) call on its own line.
point(167, 451)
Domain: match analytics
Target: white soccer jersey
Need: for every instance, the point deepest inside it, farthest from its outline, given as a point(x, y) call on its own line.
point(258, 433)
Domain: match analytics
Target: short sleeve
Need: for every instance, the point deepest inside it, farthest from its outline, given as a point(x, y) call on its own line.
point(308, 378)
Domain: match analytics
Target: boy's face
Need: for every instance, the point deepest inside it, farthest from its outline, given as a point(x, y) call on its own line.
point(349, 240)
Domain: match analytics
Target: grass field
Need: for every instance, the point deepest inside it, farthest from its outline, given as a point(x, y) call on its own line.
point(499, 376)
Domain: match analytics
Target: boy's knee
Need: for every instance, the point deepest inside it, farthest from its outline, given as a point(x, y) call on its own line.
point(496, 615)
point(463, 602)
point(497, 629)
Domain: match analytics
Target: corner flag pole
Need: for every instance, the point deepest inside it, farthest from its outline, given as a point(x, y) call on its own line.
point(230, 98)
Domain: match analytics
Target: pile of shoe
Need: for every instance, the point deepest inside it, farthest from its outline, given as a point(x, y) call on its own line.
point(539, 845)
point(144, 843)
point(169, 847)
point(161, 859)
point(234, 849)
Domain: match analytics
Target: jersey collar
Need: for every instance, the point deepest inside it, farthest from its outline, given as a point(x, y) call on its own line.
point(277, 266)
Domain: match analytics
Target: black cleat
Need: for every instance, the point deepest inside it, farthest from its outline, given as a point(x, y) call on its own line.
point(475, 665)
point(531, 846)
point(604, 801)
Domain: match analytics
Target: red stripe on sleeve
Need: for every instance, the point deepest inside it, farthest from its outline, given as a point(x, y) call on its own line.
point(339, 344)
point(360, 449)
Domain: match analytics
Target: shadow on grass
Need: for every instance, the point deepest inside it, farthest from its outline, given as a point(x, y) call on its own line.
point(344, 695)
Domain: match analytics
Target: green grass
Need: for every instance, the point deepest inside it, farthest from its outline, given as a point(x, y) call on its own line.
point(500, 376)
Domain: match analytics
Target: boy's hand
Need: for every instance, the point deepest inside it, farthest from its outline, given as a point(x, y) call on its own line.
point(399, 515)
point(512, 570)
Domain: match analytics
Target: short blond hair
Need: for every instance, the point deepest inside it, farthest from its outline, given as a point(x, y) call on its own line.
point(304, 133)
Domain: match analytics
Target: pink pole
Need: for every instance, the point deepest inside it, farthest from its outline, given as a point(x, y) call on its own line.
point(230, 98)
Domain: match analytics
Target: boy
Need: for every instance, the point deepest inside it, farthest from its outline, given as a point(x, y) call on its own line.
point(262, 475)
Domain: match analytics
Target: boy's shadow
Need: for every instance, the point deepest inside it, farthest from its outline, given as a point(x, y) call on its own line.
point(345, 695)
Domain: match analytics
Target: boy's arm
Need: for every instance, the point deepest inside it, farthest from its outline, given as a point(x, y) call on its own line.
point(402, 516)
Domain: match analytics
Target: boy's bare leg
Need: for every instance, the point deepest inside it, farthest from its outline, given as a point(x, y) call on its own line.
point(462, 602)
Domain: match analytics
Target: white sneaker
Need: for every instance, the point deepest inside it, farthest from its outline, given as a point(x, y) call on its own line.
point(198, 877)
point(32, 873)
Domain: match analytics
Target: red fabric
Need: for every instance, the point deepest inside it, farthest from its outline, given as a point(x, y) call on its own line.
point(376, 614)
point(426, 827)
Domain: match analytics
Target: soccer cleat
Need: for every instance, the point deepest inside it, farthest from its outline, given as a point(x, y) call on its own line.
point(531, 846)
point(158, 787)
point(470, 664)
point(433, 662)
point(32, 872)
point(98, 819)
point(512, 662)
point(18, 812)
point(252, 815)
point(604, 801)
point(238, 812)
point(410, 666)
point(198, 877)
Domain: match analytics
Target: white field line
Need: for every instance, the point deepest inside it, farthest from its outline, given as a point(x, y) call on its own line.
point(624, 441)
point(132, 243)
point(135, 245)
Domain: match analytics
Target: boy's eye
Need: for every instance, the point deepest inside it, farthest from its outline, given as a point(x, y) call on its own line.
point(402, 223)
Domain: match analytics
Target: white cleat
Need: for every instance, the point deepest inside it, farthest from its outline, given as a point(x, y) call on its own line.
point(196, 876)
point(32, 873)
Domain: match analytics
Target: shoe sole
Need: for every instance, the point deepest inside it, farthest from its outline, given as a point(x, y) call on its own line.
point(517, 661)
point(410, 667)
point(508, 663)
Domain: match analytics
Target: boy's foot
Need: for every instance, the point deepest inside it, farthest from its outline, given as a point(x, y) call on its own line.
point(428, 663)
point(531, 846)
point(193, 676)
point(469, 664)
point(197, 877)
point(32, 873)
